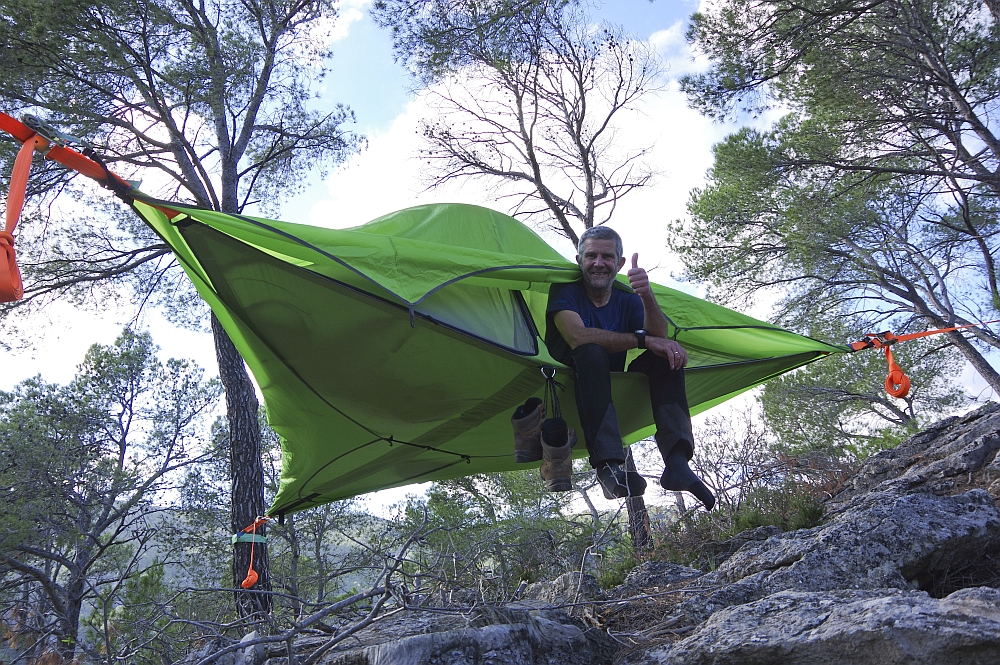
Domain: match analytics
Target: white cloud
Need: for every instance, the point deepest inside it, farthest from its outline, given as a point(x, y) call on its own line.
point(677, 54)
point(385, 177)
point(348, 13)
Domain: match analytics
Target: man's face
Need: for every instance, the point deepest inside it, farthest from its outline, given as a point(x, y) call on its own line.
point(599, 262)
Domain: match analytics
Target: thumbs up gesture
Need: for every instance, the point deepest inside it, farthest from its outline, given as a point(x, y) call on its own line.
point(638, 279)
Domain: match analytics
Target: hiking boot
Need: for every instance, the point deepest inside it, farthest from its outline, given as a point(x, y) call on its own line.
point(618, 483)
point(678, 476)
point(527, 423)
point(558, 440)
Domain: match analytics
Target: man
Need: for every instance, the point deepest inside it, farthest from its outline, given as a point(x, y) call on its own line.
point(591, 327)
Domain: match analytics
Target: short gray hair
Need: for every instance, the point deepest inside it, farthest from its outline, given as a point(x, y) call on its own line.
point(601, 233)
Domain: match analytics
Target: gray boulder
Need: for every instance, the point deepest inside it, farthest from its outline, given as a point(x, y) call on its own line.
point(566, 590)
point(909, 520)
point(872, 627)
point(653, 576)
point(481, 636)
point(539, 641)
point(897, 573)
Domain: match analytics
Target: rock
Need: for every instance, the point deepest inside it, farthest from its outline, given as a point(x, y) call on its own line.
point(901, 523)
point(715, 554)
point(537, 642)
point(904, 542)
point(653, 576)
point(207, 647)
point(486, 636)
point(872, 627)
point(946, 457)
point(251, 655)
point(567, 589)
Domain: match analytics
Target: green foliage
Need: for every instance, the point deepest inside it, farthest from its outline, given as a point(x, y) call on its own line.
point(85, 473)
point(788, 507)
point(867, 199)
point(491, 532)
point(617, 561)
point(132, 622)
point(312, 557)
point(757, 482)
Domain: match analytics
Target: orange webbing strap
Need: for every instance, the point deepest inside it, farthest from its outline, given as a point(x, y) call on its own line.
point(11, 288)
point(897, 383)
point(252, 576)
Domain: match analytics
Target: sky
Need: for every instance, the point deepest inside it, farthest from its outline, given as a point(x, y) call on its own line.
point(385, 177)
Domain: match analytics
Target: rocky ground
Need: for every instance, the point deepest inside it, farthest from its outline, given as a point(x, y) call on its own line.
point(904, 568)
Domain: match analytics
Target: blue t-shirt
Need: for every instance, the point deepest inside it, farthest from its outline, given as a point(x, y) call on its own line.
point(623, 313)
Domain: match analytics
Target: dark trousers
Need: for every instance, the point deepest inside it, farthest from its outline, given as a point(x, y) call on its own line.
point(597, 412)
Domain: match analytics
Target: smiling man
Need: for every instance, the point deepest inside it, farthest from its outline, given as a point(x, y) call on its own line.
point(591, 327)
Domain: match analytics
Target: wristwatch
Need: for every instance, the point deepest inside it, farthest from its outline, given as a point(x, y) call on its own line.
point(640, 336)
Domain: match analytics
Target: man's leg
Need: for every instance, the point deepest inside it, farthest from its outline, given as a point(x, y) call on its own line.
point(674, 438)
point(593, 401)
point(600, 422)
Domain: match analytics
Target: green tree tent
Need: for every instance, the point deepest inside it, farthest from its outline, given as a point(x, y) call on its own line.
point(396, 352)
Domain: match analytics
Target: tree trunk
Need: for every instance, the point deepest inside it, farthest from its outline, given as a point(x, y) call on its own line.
point(994, 7)
point(638, 516)
point(976, 359)
point(247, 470)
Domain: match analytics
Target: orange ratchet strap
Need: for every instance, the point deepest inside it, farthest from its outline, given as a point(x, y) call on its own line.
point(897, 383)
point(11, 288)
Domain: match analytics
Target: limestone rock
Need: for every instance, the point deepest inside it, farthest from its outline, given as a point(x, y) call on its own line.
point(872, 627)
point(483, 636)
point(538, 642)
point(653, 576)
point(909, 520)
point(567, 589)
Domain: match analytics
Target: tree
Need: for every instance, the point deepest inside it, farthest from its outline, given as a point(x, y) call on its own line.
point(309, 551)
point(870, 248)
point(526, 96)
point(494, 532)
point(210, 101)
point(86, 467)
point(878, 192)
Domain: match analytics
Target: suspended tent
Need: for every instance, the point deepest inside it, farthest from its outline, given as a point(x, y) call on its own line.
point(395, 352)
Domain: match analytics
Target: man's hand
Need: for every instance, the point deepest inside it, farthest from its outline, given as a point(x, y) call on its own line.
point(669, 349)
point(654, 322)
point(638, 279)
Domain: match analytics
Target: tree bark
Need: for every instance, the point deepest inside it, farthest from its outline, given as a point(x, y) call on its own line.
point(638, 516)
point(247, 472)
point(994, 7)
point(975, 358)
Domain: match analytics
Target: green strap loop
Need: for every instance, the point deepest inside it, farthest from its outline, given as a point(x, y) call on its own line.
point(249, 538)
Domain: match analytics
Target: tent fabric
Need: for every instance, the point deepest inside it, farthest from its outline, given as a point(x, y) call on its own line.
point(395, 352)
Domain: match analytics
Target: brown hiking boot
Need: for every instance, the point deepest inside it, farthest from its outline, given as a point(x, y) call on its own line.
point(558, 440)
point(527, 423)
